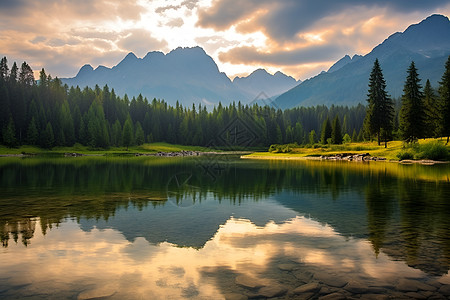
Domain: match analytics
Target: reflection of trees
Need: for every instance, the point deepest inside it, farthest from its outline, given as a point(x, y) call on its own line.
point(406, 218)
point(425, 225)
point(410, 220)
point(379, 202)
point(24, 227)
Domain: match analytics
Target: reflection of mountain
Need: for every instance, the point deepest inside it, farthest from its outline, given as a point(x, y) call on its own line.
point(187, 227)
point(402, 216)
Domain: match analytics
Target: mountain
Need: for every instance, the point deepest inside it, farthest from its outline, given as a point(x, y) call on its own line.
point(260, 81)
point(343, 62)
point(188, 75)
point(346, 83)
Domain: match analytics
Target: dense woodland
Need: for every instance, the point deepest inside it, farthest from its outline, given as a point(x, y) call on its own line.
point(47, 113)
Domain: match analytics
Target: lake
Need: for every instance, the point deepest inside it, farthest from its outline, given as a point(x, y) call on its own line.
point(220, 227)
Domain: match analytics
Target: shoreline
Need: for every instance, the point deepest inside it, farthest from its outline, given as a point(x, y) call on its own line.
point(182, 153)
point(319, 158)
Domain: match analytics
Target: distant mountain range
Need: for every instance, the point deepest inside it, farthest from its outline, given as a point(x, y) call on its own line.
point(346, 82)
point(188, 75)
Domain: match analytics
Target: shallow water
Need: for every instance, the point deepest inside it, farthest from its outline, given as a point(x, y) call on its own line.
point(219, 227)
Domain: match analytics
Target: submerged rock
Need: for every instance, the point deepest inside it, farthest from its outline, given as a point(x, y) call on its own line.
point(249, 282)
point(272, 291)
point(331, 280)
point(235, 296)
point(309, 287)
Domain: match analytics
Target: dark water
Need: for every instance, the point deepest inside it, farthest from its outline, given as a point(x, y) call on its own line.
point(220, 227)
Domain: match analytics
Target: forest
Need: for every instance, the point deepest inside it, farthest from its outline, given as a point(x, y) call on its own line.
point(47, 113)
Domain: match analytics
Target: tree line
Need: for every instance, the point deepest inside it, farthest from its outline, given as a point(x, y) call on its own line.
point(48, 113)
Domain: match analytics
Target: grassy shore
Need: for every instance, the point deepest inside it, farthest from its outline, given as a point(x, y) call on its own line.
point(396, 150)
point(77, 148)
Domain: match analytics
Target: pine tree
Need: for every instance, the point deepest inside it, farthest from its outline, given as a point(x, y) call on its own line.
point(127, 135)
point(326, 131)
point(336, 134)
point(26, 76)
point(298, 133)
point(13, 74)
point(312, 137)
point(139, 135)
point(354, 136)
point(4, 70)
point(116, 134)
point(412, 112)
point(432, 111)
point(444, 92)
point(32, 132)
point(48, 138)
point(9, 134)
point(380, 110)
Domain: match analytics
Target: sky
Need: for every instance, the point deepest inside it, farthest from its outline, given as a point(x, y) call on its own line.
point(298, 37)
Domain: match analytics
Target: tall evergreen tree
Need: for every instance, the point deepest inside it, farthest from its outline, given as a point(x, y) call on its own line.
point(354, 136)
point(380, 110)
point(412, 112)
point(139, 135)
point(13, 74)
point(432, 111)
point(127, 135)
point(9, 134)
point(48, 138)
point(312, 137)
point(26, 76)
point(4, 69)
point(336, 134)
point(32, 132)
point(326, 131)
point(444, 92)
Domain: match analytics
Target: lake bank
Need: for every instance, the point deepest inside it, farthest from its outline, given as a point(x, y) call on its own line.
point(428, 151)
point(319, 158)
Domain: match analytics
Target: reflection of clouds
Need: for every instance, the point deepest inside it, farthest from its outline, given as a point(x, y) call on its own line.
point(103, 262)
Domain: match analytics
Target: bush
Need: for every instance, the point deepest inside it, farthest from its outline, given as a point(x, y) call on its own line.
point(433, 150)
point(347, 139)
point(275, 148)
point(405, 154)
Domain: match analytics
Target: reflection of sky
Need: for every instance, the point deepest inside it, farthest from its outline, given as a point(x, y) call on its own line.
point(69, 261)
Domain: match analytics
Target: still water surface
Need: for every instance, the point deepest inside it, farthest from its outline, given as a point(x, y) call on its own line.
point(220, 227)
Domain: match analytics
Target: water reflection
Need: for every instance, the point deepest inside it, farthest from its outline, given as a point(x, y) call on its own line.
point(275, 222)
point(101, 262)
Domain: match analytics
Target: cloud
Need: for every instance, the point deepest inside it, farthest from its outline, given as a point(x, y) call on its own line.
point(140, 42)
point(189, 4)
point(82, 9)
point(177, 22)
point(283, 20)
point(249, 54)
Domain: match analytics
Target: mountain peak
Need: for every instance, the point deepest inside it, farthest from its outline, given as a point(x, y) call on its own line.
point(153, 54)
point(86, 69)
point(425, 36)
point(340, 63)
point(130, 56)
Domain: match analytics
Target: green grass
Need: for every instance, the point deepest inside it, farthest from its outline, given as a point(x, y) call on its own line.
point(425, 149)
point(146, 148)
